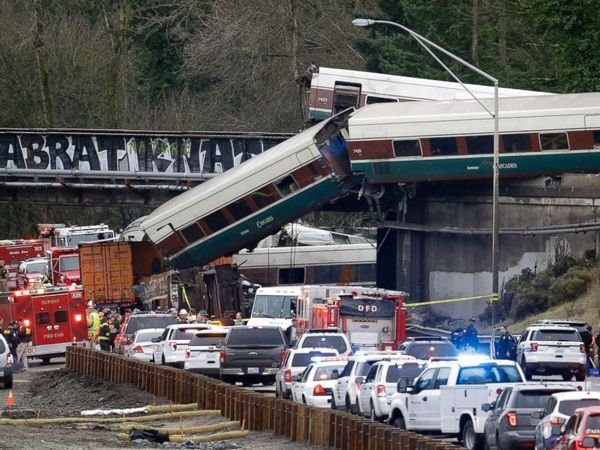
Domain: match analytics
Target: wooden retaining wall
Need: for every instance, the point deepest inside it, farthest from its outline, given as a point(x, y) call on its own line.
point(256, 411)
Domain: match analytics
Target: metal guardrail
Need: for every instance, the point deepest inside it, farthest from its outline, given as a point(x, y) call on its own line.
point(256, 412)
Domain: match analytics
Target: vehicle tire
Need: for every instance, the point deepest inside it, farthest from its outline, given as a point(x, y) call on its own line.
point(333, 405)
point(304, 400)
point(580, 376)
point(45, 361)
point(567, 376)
point(8, 381)
point(163, 360)
point(528, 373)
point(399, 423)
point(372, 415)
point(277, 393)
point(470, 439)
point(348, 405)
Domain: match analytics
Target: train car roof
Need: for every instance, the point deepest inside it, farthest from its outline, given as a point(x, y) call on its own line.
point(542, 105)
point(216, 185)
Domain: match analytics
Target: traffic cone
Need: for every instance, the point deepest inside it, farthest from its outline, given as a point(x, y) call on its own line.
point(10, 401)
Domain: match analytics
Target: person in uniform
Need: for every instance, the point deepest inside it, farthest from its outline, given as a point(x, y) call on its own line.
point(506, 348)
point(104, 332)
point(93, 323)
point(24, 333)
point(3, 277)
point(470, 339)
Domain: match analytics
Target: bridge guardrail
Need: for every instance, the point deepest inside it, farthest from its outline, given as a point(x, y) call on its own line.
point(255, 411)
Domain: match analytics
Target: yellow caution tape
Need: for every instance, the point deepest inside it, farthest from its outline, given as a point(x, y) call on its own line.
point(185, 297)
point(454, 300)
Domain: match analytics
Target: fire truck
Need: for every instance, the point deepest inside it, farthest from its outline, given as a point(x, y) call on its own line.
point(64, 265)
point(13, 252)
point(59, 235)
point(373, 319)
point(56, 317)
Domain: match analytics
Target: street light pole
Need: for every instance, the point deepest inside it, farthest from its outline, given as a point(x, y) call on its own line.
point(426, 44)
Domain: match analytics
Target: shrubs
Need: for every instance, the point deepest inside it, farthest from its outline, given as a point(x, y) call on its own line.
point(563, 281)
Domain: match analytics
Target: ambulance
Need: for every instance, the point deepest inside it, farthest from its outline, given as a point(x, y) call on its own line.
point(55, 317)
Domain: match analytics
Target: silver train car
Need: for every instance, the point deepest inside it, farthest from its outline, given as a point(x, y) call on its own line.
point(255, 199)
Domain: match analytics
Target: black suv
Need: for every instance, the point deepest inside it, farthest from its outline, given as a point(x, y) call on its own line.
point(252, 354)
point(429, 347)
point(140, 321)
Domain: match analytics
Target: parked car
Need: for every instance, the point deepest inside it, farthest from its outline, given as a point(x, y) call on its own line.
point(141, 346)
point(173, 342)
point(313, 387)
point(429, 347)
point(552, 350)
point(294, 363)
point(556, 412)
point(581, 431)
point(204, 350)
point(252, 354)
point(511, 422)
point(326, 339)
point(6, 364)
point(347, 386)
point(381, 382)
point(139, 321)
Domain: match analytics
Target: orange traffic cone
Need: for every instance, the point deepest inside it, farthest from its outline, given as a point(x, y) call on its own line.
point(10, 401)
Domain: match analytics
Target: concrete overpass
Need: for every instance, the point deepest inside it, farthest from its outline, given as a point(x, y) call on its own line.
point(105, 167)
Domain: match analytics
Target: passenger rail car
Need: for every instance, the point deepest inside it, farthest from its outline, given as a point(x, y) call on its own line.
point(453, 140)
point(332, 90)
point(255, 199)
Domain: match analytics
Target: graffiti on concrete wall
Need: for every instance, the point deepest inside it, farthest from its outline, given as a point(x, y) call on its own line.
point(128, 153)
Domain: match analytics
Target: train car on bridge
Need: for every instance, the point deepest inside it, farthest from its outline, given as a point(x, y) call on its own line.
point(253, 200)
point(453, 140)
point(332, 90)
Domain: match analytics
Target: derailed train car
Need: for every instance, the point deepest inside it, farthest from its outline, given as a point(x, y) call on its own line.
point(255, 199)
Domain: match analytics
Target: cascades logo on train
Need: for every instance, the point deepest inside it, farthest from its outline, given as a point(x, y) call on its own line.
point(490, 164)
point(265, 221)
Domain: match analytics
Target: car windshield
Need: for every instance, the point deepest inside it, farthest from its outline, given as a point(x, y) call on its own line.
point(304, 359)
point(320, 341)
point(147, 337)
point(567, 407)
point(37, 267)
point(274, 306)
point(184, 334)
point(255, 336)
point(426, 350)
point(207, 339)
point(69, 263)
point(141, 322)
point(488, 373)
point(535, 399)
point(556, 335)
point(411, 371)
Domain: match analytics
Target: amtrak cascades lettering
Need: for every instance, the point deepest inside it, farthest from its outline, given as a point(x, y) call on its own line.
point(128, 153)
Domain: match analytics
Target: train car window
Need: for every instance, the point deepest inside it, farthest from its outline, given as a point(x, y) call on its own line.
point(171, 244)
point(407, 148)
point(216, 221)
point(596, 137)
point(477, 145)
point(554, 141)
point(371, 99)
point(286, 185)
point(345, 95)
point(291, 276)
point(516, 143)
point(239, 209)
point(264, 197)
point(315, 171)
point(192, 233)
point(443, 146)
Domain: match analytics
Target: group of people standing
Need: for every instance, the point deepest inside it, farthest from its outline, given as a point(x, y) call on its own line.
point(467, 339)
point(17, 335)
point(103, 326)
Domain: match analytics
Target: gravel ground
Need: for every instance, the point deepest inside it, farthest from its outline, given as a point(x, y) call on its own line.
point(61, 393)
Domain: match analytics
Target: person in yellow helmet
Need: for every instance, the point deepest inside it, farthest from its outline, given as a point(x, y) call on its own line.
point(93, 323)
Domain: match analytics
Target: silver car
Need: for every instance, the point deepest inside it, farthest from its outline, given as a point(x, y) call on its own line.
point(141, 346)
point(6, 364)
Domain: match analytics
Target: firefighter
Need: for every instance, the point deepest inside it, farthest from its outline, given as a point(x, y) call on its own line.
point(3, 277)
point(24, 333)
point(183, 316)
point(93, 323)
point(104, 332)
point(115, 326)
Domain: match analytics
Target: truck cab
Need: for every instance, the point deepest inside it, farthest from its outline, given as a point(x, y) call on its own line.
point(30, 273)
point(64, 266)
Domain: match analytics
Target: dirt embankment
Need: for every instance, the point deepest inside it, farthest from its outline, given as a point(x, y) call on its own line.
point(62, 393)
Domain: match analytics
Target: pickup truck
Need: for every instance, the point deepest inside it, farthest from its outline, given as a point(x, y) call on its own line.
point(252, 354)
point(447, 397)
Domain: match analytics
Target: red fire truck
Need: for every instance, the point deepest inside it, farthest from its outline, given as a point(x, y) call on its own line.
point(370, 319)
point(64, 265)
point(12, 252)
point(56, 317)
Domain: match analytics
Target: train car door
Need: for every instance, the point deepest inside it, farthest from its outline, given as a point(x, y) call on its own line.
point(345, 95)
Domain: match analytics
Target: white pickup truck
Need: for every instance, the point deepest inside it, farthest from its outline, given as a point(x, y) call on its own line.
point(447, 397)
